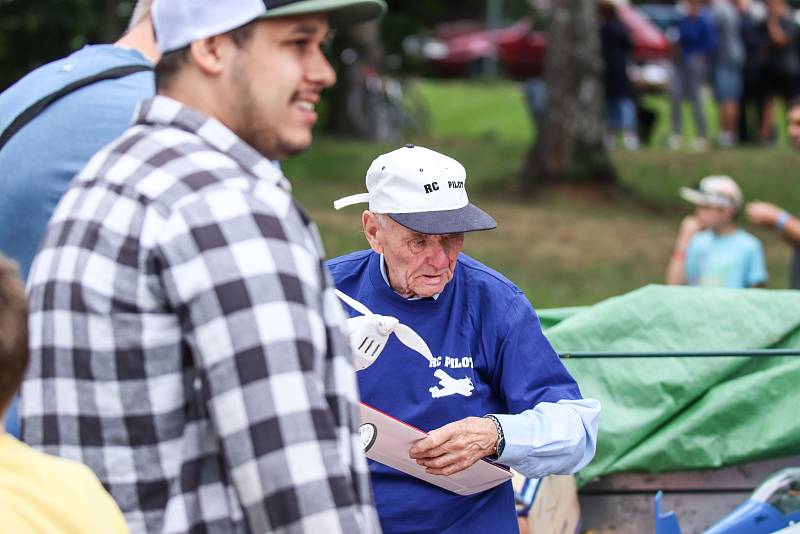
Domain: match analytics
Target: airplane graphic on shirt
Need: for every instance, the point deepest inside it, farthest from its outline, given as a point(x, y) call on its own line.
point(450, 385)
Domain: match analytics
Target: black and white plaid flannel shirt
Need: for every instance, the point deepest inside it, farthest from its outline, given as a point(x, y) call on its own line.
point(187, 343)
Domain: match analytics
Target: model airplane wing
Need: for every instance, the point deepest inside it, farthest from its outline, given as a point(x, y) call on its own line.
point(369, 333)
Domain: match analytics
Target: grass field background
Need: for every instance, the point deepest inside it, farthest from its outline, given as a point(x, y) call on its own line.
point(563, 246)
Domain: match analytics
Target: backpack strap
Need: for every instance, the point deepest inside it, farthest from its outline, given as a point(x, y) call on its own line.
point(32, 111)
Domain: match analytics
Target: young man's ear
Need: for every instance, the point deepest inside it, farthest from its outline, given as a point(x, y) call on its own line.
point(210, 54)
point(372, 230)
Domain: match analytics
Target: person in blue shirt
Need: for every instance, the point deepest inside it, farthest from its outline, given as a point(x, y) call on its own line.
point(696, 42)
point(710, 249)
point(39, 161)
point(519, 406)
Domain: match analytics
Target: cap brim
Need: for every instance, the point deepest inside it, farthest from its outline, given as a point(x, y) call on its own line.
point(701, 199)
point(470, 218)
point(340, 12)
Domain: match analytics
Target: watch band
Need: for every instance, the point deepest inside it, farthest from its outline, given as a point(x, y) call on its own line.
point(501, 440)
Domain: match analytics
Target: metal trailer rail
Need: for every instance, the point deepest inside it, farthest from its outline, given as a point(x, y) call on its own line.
point(758, 353)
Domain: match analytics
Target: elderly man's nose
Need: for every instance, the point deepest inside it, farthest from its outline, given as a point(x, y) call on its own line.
point(438, 257)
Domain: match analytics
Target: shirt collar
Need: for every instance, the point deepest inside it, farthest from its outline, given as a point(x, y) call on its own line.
point(386, 279)
point(164, 111)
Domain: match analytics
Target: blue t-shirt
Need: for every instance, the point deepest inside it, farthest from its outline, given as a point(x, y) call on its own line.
point(482, 329)
point(731, 260)
point(38, 163)
point(40, 160)
point(697, 35)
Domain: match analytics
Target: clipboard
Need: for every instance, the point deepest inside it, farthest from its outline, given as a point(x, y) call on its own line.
point(387, 440)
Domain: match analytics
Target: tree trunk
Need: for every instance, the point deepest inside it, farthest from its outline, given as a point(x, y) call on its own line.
point(357, 49)
point(569, 142)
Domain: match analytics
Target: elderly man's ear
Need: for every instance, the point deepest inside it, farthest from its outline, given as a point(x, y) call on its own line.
point(372, 230)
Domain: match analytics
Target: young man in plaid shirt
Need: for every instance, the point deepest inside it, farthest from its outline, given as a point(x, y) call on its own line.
point(186, 341)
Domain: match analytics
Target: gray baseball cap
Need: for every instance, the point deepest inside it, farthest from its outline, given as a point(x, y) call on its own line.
point(717, 191)
point(179, 22)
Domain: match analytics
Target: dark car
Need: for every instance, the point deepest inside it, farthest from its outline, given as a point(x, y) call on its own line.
point(665, 16)
point(464, 48)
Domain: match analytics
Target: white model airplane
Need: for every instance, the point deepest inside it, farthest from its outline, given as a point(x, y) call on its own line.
point(369, 333)
point(450, 385)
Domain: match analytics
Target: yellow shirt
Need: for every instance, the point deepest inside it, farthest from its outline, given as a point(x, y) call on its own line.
point(45, 494)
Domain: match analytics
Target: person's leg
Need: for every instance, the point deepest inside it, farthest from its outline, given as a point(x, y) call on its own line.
point(613, 121)
point(676, 90)
point(697, 69)
point(772, 87)
point(767, 120)
point(728, 89)
point(742, 122)
point(613, 115)
point(628, 115)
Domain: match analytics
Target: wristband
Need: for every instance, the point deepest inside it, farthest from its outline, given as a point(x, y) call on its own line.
point(783, 218)
point(679, 255)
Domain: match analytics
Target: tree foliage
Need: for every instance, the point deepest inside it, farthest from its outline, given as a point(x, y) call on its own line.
point(33, 32)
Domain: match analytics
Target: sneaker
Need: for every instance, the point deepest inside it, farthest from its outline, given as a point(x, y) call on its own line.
point(725, 139)
point(675, 142)
point(699, 144)
point(630, 141)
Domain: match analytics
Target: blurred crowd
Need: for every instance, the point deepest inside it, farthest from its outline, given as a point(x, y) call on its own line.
point(747, 53)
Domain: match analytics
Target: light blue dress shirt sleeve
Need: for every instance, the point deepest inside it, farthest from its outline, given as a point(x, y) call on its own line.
point(552, 438)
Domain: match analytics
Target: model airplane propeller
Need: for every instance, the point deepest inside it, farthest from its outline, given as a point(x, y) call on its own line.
point(369, 333)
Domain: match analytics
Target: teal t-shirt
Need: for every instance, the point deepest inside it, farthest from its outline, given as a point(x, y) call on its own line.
point(731, 260)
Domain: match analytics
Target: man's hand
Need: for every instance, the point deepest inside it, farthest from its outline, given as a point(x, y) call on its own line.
point(456, 446)
point(762, 213)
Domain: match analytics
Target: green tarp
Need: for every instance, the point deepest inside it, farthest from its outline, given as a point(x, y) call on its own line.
point(672, 414)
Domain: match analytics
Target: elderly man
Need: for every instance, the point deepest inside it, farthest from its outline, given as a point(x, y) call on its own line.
point(186, 342)
point(524, 410)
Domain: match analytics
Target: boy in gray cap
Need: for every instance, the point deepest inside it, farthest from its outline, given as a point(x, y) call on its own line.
point(186, 342)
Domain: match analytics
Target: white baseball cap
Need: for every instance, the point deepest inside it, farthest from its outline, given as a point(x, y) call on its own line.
point(423, 190)
point(179, 22)
point(716, 191)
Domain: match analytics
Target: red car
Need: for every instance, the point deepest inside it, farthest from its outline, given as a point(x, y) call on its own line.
point(462, 49)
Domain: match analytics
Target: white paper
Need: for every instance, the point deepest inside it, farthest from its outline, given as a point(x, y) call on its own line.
point(388, 440)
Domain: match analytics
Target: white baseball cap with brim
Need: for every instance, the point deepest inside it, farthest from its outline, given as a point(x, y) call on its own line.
point(422, 190)
point(717, 191)
point(177, 23)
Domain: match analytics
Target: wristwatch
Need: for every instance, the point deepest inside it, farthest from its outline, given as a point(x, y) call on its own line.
point(501, 440)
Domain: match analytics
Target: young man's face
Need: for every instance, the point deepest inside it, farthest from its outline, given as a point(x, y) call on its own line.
point(794, 125)
point(276, 80)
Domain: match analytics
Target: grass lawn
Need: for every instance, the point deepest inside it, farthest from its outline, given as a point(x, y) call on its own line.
point(562, 246)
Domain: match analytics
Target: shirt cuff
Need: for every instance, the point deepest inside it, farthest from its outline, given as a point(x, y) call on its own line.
point(516, 428)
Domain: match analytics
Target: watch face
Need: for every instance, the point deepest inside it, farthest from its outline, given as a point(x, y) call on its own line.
point(368, 434)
